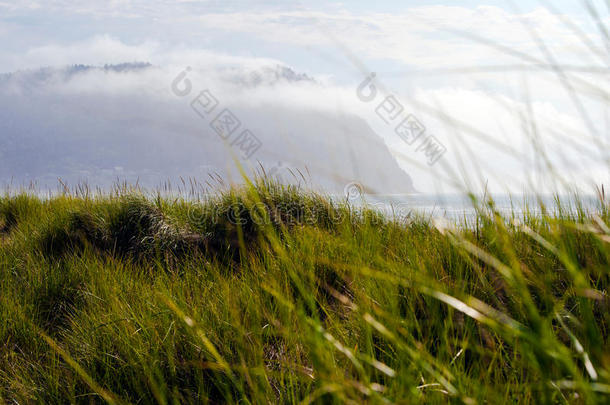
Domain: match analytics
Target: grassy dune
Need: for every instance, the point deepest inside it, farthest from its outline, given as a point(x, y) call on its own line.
point(268, 294)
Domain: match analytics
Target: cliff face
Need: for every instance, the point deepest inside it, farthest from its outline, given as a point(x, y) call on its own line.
point(334, 150)
point(100, 136)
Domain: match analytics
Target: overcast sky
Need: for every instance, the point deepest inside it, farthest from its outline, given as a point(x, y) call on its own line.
point(390, 34)
point(486, 65)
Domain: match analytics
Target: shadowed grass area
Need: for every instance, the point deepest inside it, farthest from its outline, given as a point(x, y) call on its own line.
point(270, 294)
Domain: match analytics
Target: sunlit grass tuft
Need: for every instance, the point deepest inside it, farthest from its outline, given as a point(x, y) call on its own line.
point(268, 293)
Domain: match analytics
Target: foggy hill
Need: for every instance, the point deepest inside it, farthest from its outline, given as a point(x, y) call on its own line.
point(71, 124)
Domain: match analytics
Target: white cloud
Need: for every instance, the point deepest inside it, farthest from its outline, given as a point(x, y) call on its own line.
point(422, 38)
point(496, 118)
point(427, 36)
point(105, 49)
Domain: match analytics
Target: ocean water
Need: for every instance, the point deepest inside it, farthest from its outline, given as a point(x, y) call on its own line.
point(461, 207)
point(455, 207)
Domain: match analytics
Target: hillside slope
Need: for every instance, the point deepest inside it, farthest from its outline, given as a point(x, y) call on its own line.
point(121, 122)
point(275, 295)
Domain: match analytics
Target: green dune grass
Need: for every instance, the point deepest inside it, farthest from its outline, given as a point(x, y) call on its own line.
point(271, 294)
